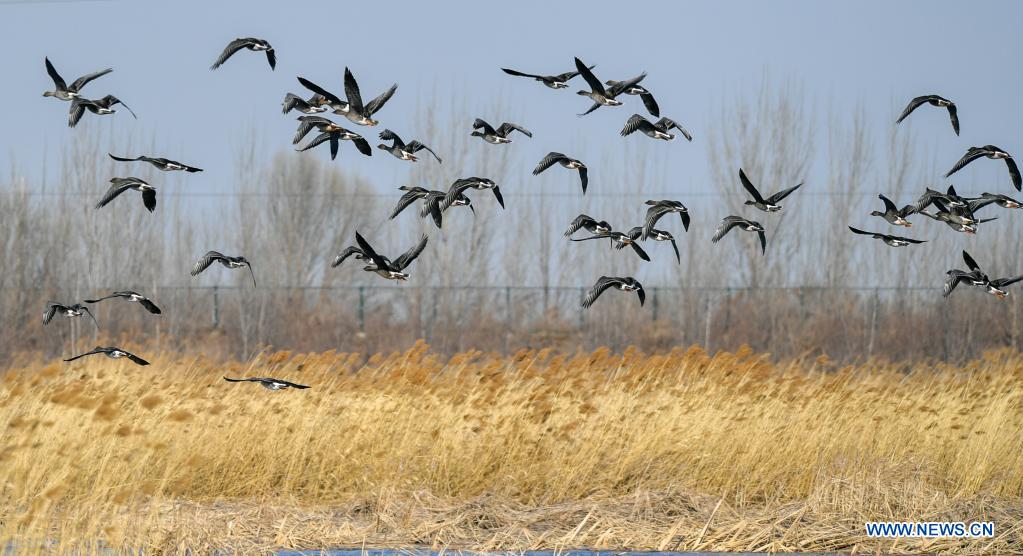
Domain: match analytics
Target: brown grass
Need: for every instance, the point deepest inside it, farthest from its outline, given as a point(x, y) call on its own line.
point(680, 451)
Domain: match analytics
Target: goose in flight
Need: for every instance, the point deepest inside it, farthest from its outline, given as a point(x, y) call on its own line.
point(644, 95)
point(499, 135)
point(357, 112)
point(748, 225)
point(384, 267)
point(253, 44)
point(584, 221)
point(314, 105)
point(986, 199)
point(993, 152)
point(165, 164)
point(70, 311)
point(977, 277)
point(100, 107)
point(459, 187)
point(956, 215)
point(598, 94)
point(769, 204)
point(894, 215)
point(559, 81)
point(950, 199)
point(657, 235)
point(111, 352)
point(120, 185)
point(626, 284)
point(657, 130)
point(957, 226)
point(660, 208)
point(331, 133)
point(230, 262)
point(620, 240)
point(933, 100)
point(894, 241)
point(129, 295)
point(402, 150)
point(61, 90)
point(432, 202)
point(570, 163)
point(269, 383)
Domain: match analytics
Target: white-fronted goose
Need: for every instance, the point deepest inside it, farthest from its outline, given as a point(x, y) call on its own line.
point(656, 235)
point(165, 164)
point(111, 352)
point(568, 162)
point(54, 308)
point(357, 112)
point(497, 136)
point(894, 215)
point(769, 204)
point(600, 95)
point(559, 81)
point(459, 187)
point(993, 152)
point(658, 130)
point(733, 221)
point(402, 150)
point(894, 241)
point(314, 105)
point(933, 100)
point(619, 240)
point(644, 95)
point(334, 137)
point(61, 90)
point(253, 44)
point(230, 262)
point(129, 295)
point(120, 185)
point(590, 224)
point(384, 267)
point(660, 208)
point(269, 383)
point(100, 107)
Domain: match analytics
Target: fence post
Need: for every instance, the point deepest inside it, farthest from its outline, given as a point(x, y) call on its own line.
point(362, 308)
point(653, 302)
point(216, 307)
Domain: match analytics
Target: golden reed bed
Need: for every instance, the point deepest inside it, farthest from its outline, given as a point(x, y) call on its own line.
point(682, 451)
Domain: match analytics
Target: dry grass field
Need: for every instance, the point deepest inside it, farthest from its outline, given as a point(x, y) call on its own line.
point(680, 451)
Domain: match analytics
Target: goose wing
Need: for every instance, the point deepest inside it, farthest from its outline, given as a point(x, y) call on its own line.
point(548, 161)
point(271, 58)
point(479, 123)
point(584, 178)
point(407, 257)
point(149, 199)
point(578, 223)
point(51, 310)
point(595, 85)
point(388, 135)
point(972, 264)
point(76, 111)
point(622, 86)
point(85, 79)
point(378, 103)
point(432, 208)
point(1002, 282)
point(416, 146)
point(639, 251)
point(954, 277)
point(889, 206)
point(508, 127)
point(602, 284)
point(407, 199)
point(291, 384)
point(773, 199)
point(668, 123)
point(363, 146)
point(1014, 173)
point(206, 260)
point(93, 351)
point(229, 50)
point(650, 104)
point(331, 97)
point(953, 114)
point(749, 187)
point(58, 81)
point(674, 246)
point(636, 123)
point(861, 232)
point(972, 154)
point(653, 214)
point(496, 190)
point(517, 73)
point(135, 358)
point(115, 189)
point(726, 226)
point(367, 251)
point(348, 252)
point(913, 105)
point(148, 305)
point(763, 242)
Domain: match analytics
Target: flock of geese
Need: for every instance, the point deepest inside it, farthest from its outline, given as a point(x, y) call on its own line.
point(956, 211)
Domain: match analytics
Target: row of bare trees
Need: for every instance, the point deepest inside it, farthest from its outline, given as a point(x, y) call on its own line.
point(508, 279)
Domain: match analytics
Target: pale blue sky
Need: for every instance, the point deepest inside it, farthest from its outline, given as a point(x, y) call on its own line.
point(879, 54)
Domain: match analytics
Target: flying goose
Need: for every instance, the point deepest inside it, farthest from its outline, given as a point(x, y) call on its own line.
point(120, 185)
point(986, 199)
point(165, 164)
point(253, 44)
point(894, 241)
point(432, 202)
point(499, 135)
point(402, 150)
point(358, 113)
point(334, 134)
point(933, 100)
point(111, 352)
point(657, 130)
point(597, 92)
point(584, 221)
point(657, 235)
point(945, 217)
point(769, 204)
point(990, 151)
point(644, 95)
point(570, 163)
point(100, 107)
point(619, 240)
point(314, 105)
point(626, 284)
point(230, 262)
point(70, 311)
point(956, 215)
point(60, 88)
point(459, 187)
point(142, 300)
point(660, 208)
point(977, 277)
point(748, 225)
point(559, 81)
point(384, 267)
point(893, 215)
point(325, 97)
point(350, 251)
point(269, 383)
